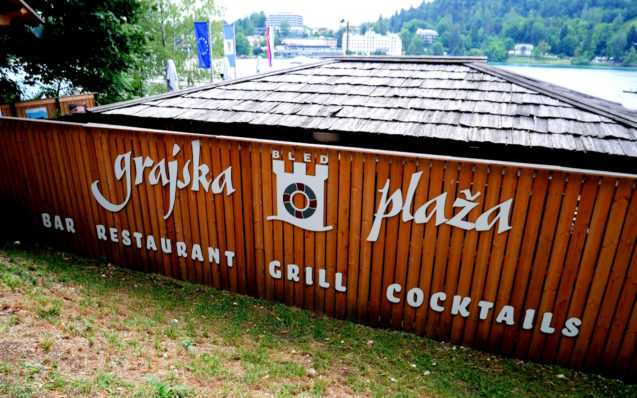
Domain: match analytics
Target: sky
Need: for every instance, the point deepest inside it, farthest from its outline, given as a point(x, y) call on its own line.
point(318, 13)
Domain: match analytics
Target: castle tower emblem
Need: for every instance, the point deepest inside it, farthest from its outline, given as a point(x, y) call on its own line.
point(312, 190)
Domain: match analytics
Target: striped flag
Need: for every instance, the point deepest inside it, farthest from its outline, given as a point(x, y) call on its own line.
point(268, 44)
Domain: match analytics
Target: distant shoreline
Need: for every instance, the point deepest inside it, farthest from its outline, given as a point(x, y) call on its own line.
point(558, 62)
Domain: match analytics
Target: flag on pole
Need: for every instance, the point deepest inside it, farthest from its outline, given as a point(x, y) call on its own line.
point(229, 49)
point(268, 44)
point(203, 46)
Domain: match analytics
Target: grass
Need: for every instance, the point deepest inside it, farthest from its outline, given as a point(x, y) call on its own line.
point(76, 327)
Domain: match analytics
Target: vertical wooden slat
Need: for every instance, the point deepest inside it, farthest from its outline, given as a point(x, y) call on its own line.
point(238, 216)
point(442, 245)
point(540, 262)
point(331, 235)
point(309, 241)
point(455, 252)
point(622, 313)
point(320, 241)
point(571, 265)
point(529, 243)
point(617, 279)
point(376, 270)
point(416, 243)
point(555, 265)
point(481, 262)
point(259, 219)
point(628, 348)
point(247, 171)
point(426, 265)
point(230, 227)
point(219, 200)
point(268, 210)
point(402, 250)
point(147, 201)
point(610, 242)
point(589, 258)
point(355, 234)
point(391, 240)
point(468, 253)
point(496, 259)
point(369, 186)
point(299, 244)
point(343, 229)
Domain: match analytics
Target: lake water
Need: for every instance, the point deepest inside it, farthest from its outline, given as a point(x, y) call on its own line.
point(603, 82)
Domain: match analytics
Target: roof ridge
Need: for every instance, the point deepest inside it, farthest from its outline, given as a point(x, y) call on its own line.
point(599, 106)
point(423, 59)
point(207, 86)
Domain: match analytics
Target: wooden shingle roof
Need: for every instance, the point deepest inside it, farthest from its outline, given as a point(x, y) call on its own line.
point(450, 98)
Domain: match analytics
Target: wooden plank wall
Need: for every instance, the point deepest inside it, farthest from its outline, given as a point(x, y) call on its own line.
point(6, 109)
point(49, 103)
point(570, 252)
point(87, 99)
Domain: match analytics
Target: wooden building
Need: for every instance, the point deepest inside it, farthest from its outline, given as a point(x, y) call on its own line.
point(440, 196)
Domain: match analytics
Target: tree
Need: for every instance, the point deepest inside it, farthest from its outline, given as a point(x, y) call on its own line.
point(417, 46)
point(94, 46)
point(437, 48)
point(170, 28)
point(496, 50)
point(284, 29)
point(541, 49)
point(242, 44)
point(616, 46)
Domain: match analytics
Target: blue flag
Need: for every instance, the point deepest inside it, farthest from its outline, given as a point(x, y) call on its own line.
point(203, 46)
point(228, 44)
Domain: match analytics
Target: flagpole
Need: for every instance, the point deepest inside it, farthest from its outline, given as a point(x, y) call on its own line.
point(212, 69)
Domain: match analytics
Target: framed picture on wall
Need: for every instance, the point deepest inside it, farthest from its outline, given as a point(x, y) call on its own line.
point(37, 113)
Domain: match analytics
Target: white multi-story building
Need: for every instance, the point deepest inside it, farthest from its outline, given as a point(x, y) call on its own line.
point(427, 35)
point(372, 42)
point(275, 20)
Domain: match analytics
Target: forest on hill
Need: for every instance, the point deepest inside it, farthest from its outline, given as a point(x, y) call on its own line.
point(581, 29)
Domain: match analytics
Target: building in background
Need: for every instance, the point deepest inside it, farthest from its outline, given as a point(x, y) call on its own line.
point(427, 35)
point(275, 20)
point(373, 43)
point(523, 50)
point(308, 48)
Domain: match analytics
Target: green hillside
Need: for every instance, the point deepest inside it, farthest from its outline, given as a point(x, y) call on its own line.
point(582, 29)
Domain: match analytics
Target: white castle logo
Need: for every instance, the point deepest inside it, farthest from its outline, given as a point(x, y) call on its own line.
point(312, 189)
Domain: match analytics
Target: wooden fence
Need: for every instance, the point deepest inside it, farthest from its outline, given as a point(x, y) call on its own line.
point(395, 240)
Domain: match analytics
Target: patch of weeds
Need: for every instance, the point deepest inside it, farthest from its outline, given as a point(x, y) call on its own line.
point(56, 381)
point(11, 281)
point(165, 390)
point(5, 367)
point(287, 369)
point(207, 366)
point(188, 345)
point(171, 332)
point(47, 343)
point(31, 369)
point(14, 320)
point(289, 390)
point(105, 380)
point(49, 312)
point(319, 388)
point(113, 338)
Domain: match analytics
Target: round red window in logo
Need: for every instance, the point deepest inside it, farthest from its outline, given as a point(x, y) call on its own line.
point(310, 200)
